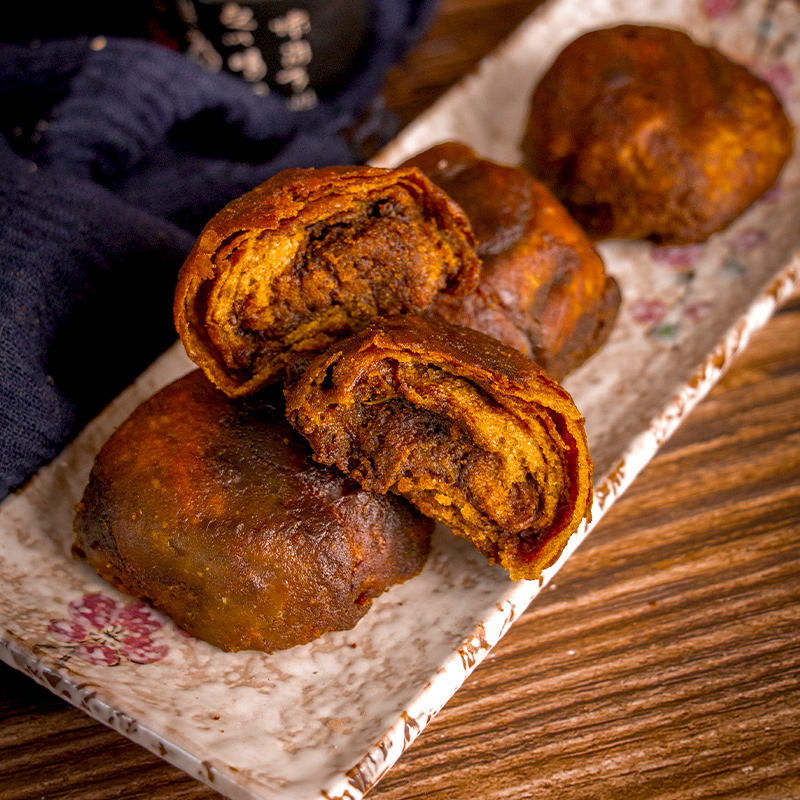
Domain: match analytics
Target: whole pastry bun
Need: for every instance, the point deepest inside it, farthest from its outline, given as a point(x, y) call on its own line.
point(544, 289)
point(644, 134)
point(213, 511)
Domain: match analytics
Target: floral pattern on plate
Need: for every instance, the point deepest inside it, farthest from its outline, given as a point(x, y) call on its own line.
point(102, 631)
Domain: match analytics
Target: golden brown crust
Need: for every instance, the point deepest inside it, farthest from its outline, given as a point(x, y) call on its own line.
point(543, 289)
point(644, 134)
point(212, 510)
point(474, 433)
point(308, 257)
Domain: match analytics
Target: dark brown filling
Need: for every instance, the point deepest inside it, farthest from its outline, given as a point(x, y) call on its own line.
point(426, 457)
point(382, 259)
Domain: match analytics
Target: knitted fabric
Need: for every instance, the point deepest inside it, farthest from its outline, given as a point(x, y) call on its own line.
point(111, 160)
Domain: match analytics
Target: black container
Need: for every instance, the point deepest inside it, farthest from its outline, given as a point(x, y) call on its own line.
point(303, 49)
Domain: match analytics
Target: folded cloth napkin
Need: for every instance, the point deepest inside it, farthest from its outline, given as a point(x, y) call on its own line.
point(113, 154)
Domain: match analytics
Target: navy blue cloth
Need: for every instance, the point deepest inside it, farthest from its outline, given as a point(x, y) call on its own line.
point(111, 161)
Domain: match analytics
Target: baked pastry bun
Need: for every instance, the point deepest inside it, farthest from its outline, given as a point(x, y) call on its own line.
point(472, 432)
point(544, 289)
point(309, 257)
point(213, 511)
point(644, 134)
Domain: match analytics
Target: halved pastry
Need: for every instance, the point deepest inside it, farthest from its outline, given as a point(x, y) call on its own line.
point(212, 510)
point(544, 289)
point(309, 257)
point(472, 432)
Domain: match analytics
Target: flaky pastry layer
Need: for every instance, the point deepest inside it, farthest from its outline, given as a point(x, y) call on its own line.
point(310, 256)
point(472, 432)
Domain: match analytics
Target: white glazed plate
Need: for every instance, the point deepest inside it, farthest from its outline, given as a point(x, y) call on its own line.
point(326, 720)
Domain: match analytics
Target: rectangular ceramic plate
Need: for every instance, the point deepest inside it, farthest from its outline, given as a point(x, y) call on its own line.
point(328, 719)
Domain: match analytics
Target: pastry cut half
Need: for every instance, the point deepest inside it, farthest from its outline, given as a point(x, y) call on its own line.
point(309, 257)
point(472, 432)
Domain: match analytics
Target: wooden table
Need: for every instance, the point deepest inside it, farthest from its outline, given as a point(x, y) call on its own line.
point(665, 662)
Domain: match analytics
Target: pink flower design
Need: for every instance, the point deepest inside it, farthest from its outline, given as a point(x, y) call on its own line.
point(678, 257)
point(748, 239)
point(779, 76)
point(772, 195)
point(695, 312)
point(719, 9)
point(102, 631)
point(648, 311)
point(99, 654)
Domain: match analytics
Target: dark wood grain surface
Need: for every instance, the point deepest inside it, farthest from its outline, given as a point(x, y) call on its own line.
point(664, 664)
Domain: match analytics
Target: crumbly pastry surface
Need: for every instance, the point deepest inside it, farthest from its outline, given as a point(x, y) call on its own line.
point(309, 257)
point(645, 134)
point(472, 432)
point(212, 510)
point(544, 289)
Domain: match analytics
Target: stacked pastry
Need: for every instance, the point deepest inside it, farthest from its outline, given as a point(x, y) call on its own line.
point(326, 286)
point(332, 282)
point(379, 349)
